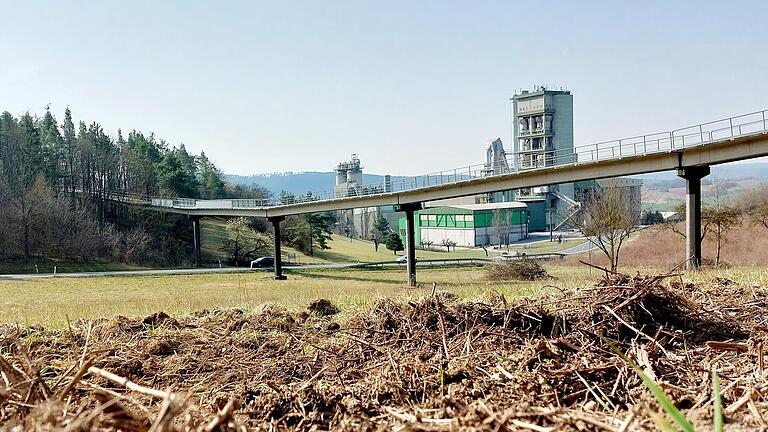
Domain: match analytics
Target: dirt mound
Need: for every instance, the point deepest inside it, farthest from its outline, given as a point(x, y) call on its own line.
point(323, 307)
point(623, 307)
point(436, 363)
point(160, 319)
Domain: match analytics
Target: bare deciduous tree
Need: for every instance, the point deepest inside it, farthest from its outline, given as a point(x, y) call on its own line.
point(754, 204)
point(502, 227)
point(243, 242)
point(448, 244)
point(607, 220)
point(721, 218)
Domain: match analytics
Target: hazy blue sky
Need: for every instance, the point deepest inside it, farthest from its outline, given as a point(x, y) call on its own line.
point(412, 86)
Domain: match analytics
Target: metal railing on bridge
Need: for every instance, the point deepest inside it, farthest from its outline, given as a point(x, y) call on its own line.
point(535, 159)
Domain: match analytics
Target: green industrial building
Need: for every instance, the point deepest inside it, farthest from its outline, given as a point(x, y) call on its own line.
point(471, 225)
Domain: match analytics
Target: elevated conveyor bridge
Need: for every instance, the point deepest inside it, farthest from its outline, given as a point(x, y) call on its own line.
point(690, 151)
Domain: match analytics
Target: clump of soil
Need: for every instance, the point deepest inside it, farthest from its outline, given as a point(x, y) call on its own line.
point(435, 363)
point(323, 307)
point(523, 270)
point(158, 319)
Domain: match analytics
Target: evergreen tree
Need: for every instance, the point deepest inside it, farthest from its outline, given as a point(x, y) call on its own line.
point(189, 163)
point(187, 160)
point(174, 178)
point(10, 155)
point(122, 149)
point(380, 232)
point(51, 145)
point(210, 179)
point(310, 231)
point(69, 150)
point(103, 167)
point(32, 155)
point(651, 218)
point(394, 243)
point(321, 224)
point(170, 176)
point(143, 155)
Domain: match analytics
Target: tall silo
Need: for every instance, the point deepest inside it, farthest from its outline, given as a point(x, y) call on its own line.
point(355, 172)
point(354, 175)
point(340, 190)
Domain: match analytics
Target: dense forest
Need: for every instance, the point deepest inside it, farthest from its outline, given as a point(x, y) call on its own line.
point(59, 182)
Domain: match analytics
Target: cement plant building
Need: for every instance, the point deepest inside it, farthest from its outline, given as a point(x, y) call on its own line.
point(542, 136)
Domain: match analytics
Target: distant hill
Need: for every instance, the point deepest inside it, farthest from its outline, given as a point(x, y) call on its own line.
point(664, 191)
point(315, 181)
point(744, 171)
point(299, 183)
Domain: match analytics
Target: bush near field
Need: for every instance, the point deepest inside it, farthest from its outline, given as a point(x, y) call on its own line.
point(522, 270)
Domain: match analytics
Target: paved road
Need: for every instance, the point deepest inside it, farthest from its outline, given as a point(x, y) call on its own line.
point(163, 272)
point(205, 270)
point(584, 247)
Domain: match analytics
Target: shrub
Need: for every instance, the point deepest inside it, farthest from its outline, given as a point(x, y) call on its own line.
point(524, 269)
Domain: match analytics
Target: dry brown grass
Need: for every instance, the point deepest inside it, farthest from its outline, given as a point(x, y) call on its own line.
point(56, 302)
point(659, 247)
point(429, 363)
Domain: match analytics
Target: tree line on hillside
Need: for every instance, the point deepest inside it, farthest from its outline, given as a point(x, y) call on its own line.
point(61, 186)
point(65, 189)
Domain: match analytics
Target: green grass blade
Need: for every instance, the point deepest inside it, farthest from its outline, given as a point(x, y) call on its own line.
point(666, 403)
point(718, 401)
point(605, 403)
point(663, 423)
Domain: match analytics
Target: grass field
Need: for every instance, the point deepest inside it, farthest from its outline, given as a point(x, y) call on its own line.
point(343, 249)
point(350, 250)
point(53, 302)
point(213, 236)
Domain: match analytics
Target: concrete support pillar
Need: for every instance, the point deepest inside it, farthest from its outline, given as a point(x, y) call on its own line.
point(411, 248)
point(278, 253)
point(196, 241)
point(693, 176)
point(410, 239)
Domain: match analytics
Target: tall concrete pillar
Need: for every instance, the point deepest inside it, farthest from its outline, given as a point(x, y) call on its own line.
point(196, 240)
point(278, 253)
point(693, 176)
point(410, 239)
